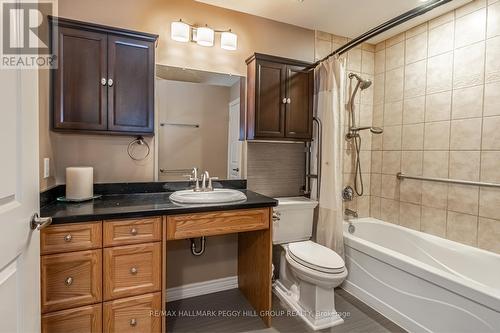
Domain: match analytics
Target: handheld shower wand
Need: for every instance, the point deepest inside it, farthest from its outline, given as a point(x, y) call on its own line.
point(354, 132)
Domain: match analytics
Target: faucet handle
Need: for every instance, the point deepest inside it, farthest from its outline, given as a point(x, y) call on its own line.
point(210, 187)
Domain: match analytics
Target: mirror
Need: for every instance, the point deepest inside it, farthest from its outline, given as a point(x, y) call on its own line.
point(199, 116)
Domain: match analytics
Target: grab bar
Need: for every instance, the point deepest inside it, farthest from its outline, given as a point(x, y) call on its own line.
point(176, 170)
point(182, 125)
point(319, 148)
point(401, 176)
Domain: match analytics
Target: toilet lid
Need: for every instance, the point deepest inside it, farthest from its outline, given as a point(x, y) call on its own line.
point(316, 256)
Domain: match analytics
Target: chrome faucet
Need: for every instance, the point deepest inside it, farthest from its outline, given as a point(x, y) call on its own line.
point(194, 177)
point(204, 188)
point(349, 212)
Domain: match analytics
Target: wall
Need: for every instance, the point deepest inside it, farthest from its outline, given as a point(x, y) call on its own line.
point(359, 60)
point(155, 16)
point(255, 34)
point(276, 169)
point(437, 96)
point(184, 147)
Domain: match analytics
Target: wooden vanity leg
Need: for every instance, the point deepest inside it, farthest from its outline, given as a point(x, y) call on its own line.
point(254, 269)
point(164, 275)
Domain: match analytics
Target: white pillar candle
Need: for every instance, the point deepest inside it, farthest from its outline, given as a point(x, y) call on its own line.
point(79, 183)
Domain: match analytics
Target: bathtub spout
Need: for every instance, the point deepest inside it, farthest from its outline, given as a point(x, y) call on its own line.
point(349, 212)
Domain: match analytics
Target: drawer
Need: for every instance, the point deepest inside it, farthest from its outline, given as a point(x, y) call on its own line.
point(132, 270)
point(133, 314)
point(71, 237)
point(216, 223)
point(86, 319)
point(132, 231)
point(71, 279)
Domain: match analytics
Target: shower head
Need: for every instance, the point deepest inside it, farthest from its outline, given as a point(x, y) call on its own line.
point(363, 84)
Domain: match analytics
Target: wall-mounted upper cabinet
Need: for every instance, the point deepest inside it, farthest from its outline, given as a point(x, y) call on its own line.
point(279, 99)
point(104, 81)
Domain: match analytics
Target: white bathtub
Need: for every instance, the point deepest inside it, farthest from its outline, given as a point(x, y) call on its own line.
point(422, 282)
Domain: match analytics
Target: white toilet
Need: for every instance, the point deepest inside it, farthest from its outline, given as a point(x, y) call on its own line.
point(308, 271)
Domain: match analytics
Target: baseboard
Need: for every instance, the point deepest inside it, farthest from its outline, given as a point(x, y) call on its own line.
point(201, 288)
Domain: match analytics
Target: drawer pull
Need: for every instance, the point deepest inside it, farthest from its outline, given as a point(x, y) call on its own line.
point(68, 238)
point(133, 231)
point(133, 322)
point(133, 271)
point(68, 281)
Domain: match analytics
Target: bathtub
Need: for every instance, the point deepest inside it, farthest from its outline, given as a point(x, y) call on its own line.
point(422, 282)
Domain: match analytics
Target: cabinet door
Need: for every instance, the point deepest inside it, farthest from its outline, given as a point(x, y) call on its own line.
point(270, 103)
point(131, 85)
point(71, 279)
point(79, 95)
point(299, 107)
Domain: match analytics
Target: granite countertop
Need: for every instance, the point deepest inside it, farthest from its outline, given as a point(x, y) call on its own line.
point(113, 206)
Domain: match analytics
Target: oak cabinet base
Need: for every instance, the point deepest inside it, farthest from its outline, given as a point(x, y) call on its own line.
point(134, 314)
point(86, 319)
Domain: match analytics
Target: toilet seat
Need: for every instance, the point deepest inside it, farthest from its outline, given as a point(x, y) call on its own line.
point(316, 257)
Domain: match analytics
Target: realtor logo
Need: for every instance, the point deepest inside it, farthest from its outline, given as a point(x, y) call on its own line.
point(25, 35)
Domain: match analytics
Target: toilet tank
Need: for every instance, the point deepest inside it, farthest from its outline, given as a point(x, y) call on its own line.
point(295, 219)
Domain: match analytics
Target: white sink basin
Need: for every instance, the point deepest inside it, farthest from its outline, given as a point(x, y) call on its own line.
point(210, 197)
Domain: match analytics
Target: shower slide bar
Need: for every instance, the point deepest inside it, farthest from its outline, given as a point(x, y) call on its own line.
point(402, 176)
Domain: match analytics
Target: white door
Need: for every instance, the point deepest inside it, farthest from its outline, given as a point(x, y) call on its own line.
point(234, 144)
point(19, 245)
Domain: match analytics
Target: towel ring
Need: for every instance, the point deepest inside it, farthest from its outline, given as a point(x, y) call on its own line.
point(139, 141)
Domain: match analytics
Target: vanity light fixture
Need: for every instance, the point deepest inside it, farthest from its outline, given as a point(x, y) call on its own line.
point(204, 36)
point(228, 40)
point(179, 31)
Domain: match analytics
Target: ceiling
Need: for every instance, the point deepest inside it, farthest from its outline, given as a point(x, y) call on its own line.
point(347, 18)
point(195, 76)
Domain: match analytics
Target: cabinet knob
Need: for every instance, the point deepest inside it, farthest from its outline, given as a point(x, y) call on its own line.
point(288, 101)
point(133, 322)
point(133, 231)
point(103, 81)
point(133, 271)
point(68, 238)
point(110, 82)
point(68, 281)
point(284, 100)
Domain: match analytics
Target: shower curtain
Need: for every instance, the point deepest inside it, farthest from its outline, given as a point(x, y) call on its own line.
point(329, 108)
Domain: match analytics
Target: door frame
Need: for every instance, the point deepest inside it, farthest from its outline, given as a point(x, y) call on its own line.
point(232, 103)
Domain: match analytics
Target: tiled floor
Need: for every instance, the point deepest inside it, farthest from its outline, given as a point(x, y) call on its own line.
point(225, 312)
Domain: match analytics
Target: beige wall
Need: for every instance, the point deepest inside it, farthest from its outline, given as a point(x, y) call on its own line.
point(255, 35)
point(437, 97)
point(220, 260)
point(185, 147)
point(359, 60)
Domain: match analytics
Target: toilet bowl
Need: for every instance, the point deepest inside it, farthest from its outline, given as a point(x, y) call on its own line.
point(308, 272)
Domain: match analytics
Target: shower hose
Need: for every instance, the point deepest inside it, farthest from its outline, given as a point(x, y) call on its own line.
point(358, 177)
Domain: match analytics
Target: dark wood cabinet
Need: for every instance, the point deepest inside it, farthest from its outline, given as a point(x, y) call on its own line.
point(104, 81)
point(279, 99)
point(131, 94)
point(80, 100)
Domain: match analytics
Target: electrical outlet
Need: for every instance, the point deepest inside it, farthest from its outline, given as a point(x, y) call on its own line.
point(46, 167)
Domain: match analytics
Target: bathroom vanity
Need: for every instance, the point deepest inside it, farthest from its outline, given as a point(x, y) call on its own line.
point(103, 263)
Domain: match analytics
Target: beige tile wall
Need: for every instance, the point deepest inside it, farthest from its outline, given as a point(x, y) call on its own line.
point(437, 95)
point(360, 60)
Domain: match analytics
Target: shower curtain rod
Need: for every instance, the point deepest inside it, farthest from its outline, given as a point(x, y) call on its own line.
point(420, 10)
